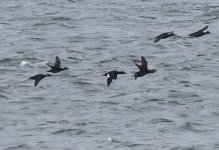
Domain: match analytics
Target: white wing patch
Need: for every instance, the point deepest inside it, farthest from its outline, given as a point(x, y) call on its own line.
point(108, 76)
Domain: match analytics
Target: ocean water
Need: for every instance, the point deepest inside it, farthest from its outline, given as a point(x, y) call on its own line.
point(176, 108)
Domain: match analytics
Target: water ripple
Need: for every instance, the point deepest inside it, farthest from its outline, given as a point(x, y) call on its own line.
point(93, 37)
point(69, 132)
point(162, 120)
point(193, 127)
point(61, 18)
point(21, 147)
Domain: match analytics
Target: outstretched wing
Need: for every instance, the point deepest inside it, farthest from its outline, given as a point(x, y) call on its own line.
point(58, 62)
point(144, 63)
point(139, 67)
point(158, 38)
point(50, 65)
point(203, 29)
point(109, 80)
point(36, 82)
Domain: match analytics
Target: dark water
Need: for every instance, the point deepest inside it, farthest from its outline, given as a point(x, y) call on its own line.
point(176, 108)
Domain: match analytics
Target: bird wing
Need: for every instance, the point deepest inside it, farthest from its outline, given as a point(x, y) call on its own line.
point(158, 38)
point(109, 80)
point(144, 63)
point(36, 82)
point(139, 67)
point(58, 62)
point(205, 28)
point(50, 65)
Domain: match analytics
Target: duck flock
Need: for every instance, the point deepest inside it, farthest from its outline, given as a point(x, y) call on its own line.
point(112, 75)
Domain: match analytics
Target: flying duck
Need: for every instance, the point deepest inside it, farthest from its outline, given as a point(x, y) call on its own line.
point(112, 75)
point(38, 77)
point(200, 33)
point(143, 69)
point(56, 68)
point(163, 36)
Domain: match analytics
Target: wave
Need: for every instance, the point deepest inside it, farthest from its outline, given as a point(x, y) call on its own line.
point(162, 120)
point(30, 64)
point(21, 146)
point(61, 18)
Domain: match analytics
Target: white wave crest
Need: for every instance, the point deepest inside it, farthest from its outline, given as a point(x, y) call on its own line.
point(27, 63)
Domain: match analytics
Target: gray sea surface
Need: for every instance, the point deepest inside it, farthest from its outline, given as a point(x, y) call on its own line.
point(176, 108)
